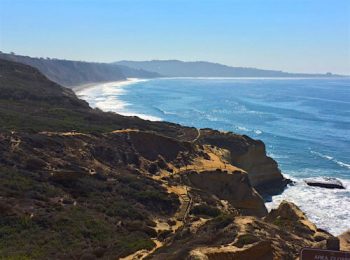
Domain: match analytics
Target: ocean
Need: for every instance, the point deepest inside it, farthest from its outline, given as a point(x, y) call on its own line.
point(305, 124)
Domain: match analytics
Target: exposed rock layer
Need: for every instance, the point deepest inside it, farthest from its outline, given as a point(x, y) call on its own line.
point(345, 241)
point(233, 187)
point(250, 155)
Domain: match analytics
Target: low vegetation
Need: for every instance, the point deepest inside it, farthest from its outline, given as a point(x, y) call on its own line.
point(205, 210)
point(92, 217)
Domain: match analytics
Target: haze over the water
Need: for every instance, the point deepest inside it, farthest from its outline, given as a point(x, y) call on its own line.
point(311, 36)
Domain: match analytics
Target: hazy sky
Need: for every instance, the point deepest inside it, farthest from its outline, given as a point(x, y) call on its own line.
point(289, 35)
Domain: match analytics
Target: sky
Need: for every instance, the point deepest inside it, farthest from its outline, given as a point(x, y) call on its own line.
point(289, 35)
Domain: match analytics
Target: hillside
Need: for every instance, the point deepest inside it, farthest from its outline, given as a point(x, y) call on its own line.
point(78, 183)
point(177, 68)
point(72, 73)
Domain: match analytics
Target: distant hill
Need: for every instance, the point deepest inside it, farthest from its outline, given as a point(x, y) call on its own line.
point(176, 68)
point(72, 73)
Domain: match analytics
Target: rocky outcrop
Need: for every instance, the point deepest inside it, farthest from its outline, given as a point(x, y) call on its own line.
point(233, 187)
point(293, 220)
point(345, 241)
point(281, 235)
point(289, 216)
point(249, 155)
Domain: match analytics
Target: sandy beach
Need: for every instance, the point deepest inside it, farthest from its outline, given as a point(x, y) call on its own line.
point(78, 89)
point(105, 96)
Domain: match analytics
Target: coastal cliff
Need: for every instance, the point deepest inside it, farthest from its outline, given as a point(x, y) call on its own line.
point(84, 184)
point(250, 155)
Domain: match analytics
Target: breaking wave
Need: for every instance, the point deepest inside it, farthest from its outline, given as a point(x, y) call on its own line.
point(106, 96)
point(332, 159)
point(332, 211)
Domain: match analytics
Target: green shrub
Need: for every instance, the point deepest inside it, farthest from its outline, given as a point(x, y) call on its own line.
point(223, 220)
point(133, 242)
point(279, 222)
point(206, 210)
point(246, 239)
point(123, 210)
point(164, 234)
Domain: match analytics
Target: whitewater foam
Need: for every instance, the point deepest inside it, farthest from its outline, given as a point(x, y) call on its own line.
point(143, 116)
point(245, 129)
point(346, 165)
point(164, 112)
point(106, 96)
point(332, 204)
point(258, 132)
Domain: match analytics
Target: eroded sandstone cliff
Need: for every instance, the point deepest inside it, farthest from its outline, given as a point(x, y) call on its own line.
point(250, 155)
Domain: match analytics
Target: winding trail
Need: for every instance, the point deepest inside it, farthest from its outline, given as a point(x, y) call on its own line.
point(185, 207)
point(183, 191)
point(198, 136)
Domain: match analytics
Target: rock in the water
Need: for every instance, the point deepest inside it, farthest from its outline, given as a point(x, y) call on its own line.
point(329, 183)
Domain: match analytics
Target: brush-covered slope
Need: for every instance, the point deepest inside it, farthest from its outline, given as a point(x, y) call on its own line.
point(72, 73)
point(31, 102)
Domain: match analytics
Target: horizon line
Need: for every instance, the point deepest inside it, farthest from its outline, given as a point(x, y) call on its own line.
point(173, 59)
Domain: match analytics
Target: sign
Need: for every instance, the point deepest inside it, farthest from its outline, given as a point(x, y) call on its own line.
point(320, 254)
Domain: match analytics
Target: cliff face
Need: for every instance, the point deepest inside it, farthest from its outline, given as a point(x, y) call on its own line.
point(84, 184)
point(250, 155)
point(233, 187)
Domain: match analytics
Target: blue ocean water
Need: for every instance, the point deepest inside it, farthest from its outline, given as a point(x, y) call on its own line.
point(305, 124)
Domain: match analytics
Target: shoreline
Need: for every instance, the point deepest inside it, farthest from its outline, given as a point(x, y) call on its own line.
point(105, 96)
point(118, 83)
